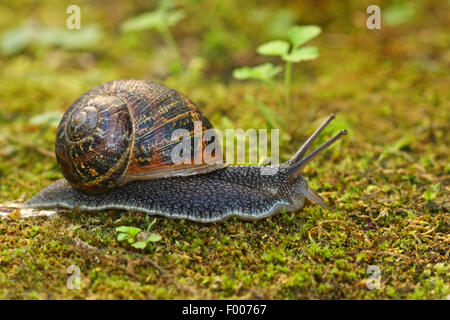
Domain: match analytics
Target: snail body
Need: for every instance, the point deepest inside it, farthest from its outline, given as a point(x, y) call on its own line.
point(132, 169)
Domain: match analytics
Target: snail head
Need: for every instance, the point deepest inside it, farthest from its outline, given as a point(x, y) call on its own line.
point(299, 161)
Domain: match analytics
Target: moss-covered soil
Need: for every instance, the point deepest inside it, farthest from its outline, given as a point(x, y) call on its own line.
point(386, 183)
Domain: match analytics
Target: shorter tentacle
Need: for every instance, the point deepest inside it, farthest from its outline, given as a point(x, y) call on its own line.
point(314, 197)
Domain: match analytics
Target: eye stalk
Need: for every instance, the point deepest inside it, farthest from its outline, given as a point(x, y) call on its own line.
point(301, 164)
point(301, 152)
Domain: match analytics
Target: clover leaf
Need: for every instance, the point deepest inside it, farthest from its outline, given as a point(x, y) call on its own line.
point(299, 35)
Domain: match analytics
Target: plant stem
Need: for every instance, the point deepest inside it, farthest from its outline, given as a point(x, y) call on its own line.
point(287, 84)
point(271, 86)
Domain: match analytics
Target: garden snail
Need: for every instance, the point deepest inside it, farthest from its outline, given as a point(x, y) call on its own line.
point(113, 146)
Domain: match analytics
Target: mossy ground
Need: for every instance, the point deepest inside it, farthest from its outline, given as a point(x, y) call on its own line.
point(389, 89)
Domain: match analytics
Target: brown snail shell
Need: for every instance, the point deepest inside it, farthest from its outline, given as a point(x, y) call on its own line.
point(121, 130)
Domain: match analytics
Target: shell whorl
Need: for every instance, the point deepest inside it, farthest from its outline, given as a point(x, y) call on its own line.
point(94, 143)
point(120, 131)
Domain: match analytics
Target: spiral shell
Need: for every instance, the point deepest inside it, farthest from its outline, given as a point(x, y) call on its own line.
point(121, 130)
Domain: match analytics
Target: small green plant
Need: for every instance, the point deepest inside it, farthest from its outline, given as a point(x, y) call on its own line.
point(161, 19)
point(136, 237)
point(431, 193)
point(291, 51)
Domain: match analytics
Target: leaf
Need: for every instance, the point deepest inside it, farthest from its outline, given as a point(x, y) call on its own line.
point(274, 48)
point(429, 195)
point(399, 13)
point(15, 40)
point(153, 237)
point(262, 72)
point(299, 35)
point(140, 244)
point(174, 16)
point(132, 231)
point(243, 73)
point(47, 118)
point(122, 229)
point(85, 38)
point(159, 19)
point(302, 54)
point(145, 21)
point(121, 236)
point(401, 144)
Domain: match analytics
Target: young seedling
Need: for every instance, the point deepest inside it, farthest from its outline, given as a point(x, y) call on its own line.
point(136, 237)
point(292, 51)
point(164, 17)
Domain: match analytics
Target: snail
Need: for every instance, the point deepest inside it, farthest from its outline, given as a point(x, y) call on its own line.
point(113, 146)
